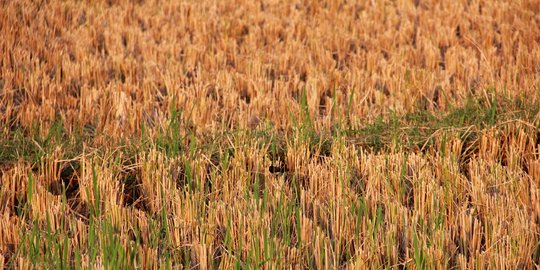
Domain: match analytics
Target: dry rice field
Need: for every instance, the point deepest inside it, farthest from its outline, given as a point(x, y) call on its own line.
point(269, 134)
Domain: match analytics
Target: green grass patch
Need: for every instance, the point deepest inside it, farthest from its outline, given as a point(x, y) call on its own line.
point(414, 131)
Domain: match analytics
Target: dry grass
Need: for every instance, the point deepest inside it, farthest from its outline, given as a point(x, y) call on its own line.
point(270, 134)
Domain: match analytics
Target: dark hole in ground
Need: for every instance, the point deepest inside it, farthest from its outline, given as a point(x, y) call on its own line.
point(357, 182)
point(18, 205)
point(68, 184)
point(245, 96)
point(68, 180)
point(8, 254)
point(133, 192)
point(277, 168)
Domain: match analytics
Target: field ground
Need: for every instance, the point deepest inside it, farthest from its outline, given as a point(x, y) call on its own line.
point(270, 134)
